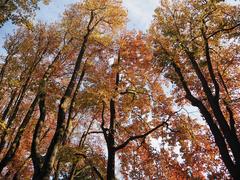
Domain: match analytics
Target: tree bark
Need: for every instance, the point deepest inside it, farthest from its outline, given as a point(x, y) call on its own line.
point(16, 142)
point(18, 102)
point(218, 137)
point(63, 107)
point(5, 112)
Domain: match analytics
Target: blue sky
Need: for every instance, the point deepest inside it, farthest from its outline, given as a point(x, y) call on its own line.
point(139, 11)
point(139, 15)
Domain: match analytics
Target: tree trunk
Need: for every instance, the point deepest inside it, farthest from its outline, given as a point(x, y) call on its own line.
point(63, 107)
point(19, 100)
point(5, 112)
point(16, 142)
point(111, 135)
point(219, 136)
point(111, 163)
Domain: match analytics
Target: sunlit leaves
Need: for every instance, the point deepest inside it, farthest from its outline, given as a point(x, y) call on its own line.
point(19, 12)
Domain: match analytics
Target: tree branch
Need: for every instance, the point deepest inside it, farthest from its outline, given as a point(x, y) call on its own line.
point(221, 30)
point(209, 65)
point(132, 138)
point(103, 122)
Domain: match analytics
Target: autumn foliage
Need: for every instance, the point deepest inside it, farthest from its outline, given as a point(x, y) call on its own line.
point(84, 98)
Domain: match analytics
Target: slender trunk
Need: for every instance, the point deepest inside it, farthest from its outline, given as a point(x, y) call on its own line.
point(11, 118)
point(111, 135)
point(36, 157)
point(220, 142)
point(4, 115)
point(81, 144)
point(111, 163)
point(5, 112)
point(19, 100)
point(230, 135)
point(213, 101)
point(16, 142)
point(218, 137)
point(111, 143)
point(3, 69)
point(63, 107)
point(66, 133)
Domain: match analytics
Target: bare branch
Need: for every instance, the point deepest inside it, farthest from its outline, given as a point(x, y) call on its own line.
point(95, 132)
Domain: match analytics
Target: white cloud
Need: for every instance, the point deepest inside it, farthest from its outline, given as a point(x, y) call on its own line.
point(140, 12)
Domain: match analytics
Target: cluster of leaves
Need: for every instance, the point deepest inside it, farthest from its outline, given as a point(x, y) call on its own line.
point(19, 12)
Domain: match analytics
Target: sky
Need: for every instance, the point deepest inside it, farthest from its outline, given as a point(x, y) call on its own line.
point(139, 11)
point(139, 15)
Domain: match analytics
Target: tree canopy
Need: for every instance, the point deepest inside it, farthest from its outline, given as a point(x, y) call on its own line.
point(85, 98)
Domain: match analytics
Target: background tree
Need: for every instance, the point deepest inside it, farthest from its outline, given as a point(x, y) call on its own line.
point(19, 12)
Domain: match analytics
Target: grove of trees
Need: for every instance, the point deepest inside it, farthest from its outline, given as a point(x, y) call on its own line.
point(85, 98)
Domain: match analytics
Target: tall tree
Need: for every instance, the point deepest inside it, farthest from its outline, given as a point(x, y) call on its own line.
point(189, 40)
point(81, 98)
point(90, 17)
point(126, 95)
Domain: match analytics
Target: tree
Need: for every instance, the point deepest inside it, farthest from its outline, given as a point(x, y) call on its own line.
point(188, 40)
point(127, 97)
point(83, 98)
point(94, 17)
point(19, 12)
point(40, 41)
